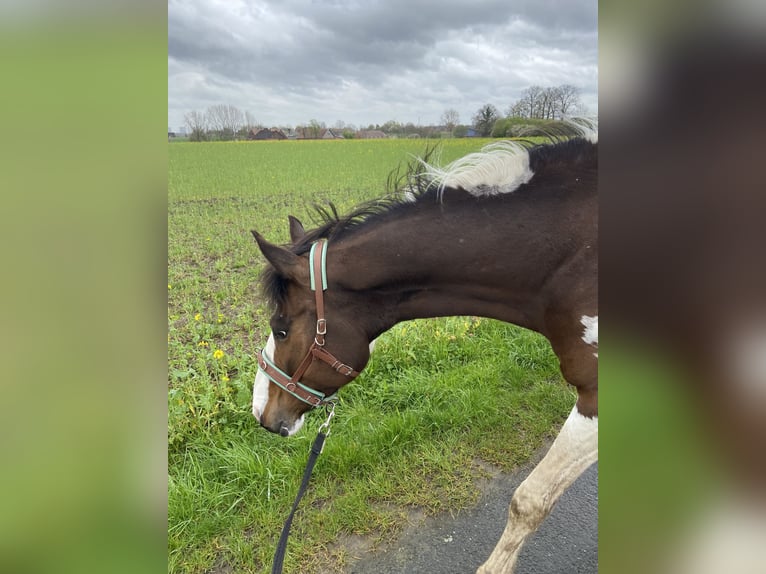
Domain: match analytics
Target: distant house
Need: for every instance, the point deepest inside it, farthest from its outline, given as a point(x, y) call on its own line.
point(332, 134)
point(314, 133)
point(266, 134)
point(370, 135)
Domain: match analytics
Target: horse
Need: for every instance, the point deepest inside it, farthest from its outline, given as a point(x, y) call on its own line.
point(508, 233)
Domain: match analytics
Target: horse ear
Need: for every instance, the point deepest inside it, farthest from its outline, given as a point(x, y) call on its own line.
point(285, 262)
point(296, 229)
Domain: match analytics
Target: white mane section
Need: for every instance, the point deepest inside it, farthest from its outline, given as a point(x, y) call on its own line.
point(588, 127)
point(498, 168)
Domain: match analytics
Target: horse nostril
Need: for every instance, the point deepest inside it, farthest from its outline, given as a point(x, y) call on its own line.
point(283, 430)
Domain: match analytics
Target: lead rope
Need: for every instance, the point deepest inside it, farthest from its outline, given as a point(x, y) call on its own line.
point(316, 450)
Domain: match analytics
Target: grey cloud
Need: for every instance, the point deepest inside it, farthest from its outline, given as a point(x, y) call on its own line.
point(392, 54)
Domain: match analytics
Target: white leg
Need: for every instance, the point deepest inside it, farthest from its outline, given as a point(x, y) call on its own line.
point(573, 451)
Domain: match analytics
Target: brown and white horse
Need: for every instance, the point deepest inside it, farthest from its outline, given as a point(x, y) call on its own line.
point(508, 233)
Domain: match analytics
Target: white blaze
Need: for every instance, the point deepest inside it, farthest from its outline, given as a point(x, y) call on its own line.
point(261, 386)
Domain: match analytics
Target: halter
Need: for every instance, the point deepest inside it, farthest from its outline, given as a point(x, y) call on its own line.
point(318, 275)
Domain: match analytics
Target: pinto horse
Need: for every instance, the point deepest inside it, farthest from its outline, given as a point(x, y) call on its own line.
point(508, 233)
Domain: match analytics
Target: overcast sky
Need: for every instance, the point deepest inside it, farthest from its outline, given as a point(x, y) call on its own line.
point(366, 61)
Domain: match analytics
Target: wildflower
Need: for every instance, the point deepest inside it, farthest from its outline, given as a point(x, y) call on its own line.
point(170, 286)
point(225, 379)
point(218, 354)
point(220, 318)
point(198, 316)
point(202, 344)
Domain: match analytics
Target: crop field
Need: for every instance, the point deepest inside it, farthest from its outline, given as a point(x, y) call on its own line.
point(440, 400)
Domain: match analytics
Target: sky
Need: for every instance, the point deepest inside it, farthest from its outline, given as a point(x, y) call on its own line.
point(367, 62)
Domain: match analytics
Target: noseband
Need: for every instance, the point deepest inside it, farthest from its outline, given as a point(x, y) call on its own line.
point(318, 273)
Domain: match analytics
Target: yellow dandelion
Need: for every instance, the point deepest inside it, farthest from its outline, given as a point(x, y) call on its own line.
point(170, 286)
point(225, 379)
point(218, 354)
point(220, 318)
point(202, 344)
point(198, 316)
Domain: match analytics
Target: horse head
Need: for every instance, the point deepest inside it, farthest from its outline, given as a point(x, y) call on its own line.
point(315, 347)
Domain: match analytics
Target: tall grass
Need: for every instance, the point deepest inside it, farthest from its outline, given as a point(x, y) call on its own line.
point(437, 397)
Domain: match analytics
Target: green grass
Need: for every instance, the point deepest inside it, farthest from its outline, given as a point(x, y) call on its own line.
point(437, 397)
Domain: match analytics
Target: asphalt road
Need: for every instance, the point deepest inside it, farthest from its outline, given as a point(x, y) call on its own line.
point(566, 542)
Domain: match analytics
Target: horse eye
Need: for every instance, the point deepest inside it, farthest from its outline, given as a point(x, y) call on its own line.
point(280, 335)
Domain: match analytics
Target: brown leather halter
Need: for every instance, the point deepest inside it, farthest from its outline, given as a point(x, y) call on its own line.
point(317, 272)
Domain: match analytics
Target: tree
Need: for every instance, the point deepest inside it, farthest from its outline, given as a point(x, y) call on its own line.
point(315, 128)
point(501, 127)
point(450, 118)
point(517, 110)
point(530, 102)
point(250, 122)
point(460, 131)
point(549, 103)
point(485, 118)
point(225, 120)
point(196, 124)
point(568, 99)
point(391, 127)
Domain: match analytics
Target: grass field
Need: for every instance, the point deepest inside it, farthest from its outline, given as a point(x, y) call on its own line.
point(438, 397)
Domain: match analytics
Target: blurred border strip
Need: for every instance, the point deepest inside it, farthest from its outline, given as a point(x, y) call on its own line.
point(83, 154)
point(682, 286)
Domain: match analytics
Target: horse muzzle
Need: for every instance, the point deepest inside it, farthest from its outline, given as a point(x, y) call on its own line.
point(281, 426)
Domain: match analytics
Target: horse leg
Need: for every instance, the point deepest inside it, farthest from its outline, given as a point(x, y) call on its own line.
point(573, 451)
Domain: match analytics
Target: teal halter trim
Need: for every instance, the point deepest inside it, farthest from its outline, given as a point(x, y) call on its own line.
point(321, 396)
point(324, 265)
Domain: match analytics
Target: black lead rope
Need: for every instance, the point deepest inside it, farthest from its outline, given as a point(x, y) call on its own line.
point(316, 450)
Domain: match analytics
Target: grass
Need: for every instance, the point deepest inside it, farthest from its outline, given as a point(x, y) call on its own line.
point(438, 396)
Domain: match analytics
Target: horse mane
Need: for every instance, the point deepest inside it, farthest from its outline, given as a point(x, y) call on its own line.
point(499, 168)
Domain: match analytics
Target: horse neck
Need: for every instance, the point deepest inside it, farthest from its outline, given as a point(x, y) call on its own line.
point(432, 265)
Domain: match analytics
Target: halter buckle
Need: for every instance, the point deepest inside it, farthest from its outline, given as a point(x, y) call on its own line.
point(348, 370)
point(321, 326)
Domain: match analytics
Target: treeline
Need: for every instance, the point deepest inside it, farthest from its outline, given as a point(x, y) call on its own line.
point(220, 122)
point(539, 110)
point(553, 103)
